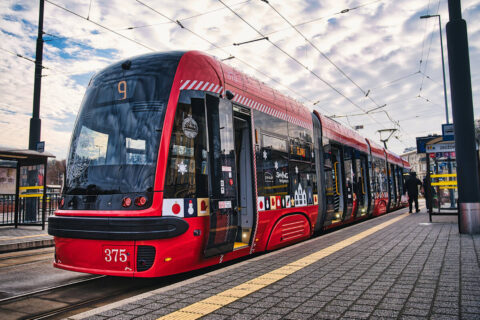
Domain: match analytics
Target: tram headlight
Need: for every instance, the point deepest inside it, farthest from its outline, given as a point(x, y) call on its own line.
point(126, 202)
point(140, 201)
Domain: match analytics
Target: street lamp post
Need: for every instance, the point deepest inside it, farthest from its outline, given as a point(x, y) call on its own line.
point(443, 61)
point(452, 196)
point(462, 111)
point(35, 122)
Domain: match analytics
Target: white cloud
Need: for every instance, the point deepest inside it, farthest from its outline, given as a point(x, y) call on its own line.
point(374, 44)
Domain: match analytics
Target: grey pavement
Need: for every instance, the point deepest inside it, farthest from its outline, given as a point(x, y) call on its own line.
point(411, 269)
point(23, 237)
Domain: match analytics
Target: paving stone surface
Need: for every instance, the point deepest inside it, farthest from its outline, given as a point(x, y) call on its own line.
point(24, 237)
point(408, 270)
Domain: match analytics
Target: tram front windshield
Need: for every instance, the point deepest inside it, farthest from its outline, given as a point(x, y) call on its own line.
point(115, 142)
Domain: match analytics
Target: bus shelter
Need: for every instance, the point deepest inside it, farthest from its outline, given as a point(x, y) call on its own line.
point(29, 204)
point(440, 187)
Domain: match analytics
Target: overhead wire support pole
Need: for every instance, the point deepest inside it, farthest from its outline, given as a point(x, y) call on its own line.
point(35, 122)
point(462, 111)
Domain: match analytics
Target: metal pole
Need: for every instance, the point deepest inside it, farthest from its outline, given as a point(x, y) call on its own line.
point(462, 110)
point(443, 69)
point(451, 193)
point(35, 122)
point(17, 193)
point(44, 199)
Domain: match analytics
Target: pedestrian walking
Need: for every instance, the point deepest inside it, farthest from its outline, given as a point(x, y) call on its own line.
point(411, 186)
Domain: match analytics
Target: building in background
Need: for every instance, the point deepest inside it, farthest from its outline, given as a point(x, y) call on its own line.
point(418, 162)
point(7, 176)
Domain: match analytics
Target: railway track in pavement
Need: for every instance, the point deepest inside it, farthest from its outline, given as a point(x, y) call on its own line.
point(75, 294)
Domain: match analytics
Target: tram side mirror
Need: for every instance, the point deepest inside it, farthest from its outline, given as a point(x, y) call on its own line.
point(127, 65)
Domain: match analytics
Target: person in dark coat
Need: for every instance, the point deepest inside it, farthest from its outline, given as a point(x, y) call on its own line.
point(411, 186)
point(428, 192)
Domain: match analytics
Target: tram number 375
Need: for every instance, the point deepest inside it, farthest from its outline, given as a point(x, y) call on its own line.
point(115, 255)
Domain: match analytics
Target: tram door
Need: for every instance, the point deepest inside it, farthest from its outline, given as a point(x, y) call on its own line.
point(245, 187)
point(333, 184)
point(224, 218)
point(362, 185)
point(392, 186)
point(350, 176)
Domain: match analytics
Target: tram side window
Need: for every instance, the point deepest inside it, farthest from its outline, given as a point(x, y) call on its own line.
point(274, 166)
point(349, 172)
point(302, 166)
point(303, 183)
point(399, 180)
point(270, 148)
point(391, 178)
point(371, 174)
point(301, 147)
point(328, 171)
point(187, 167)
point(380, 175)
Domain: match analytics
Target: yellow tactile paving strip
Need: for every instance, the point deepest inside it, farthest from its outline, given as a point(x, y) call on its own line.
point(209, 305)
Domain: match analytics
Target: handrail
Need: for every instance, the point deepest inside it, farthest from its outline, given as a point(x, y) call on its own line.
point(336, 178)
point(363, 181)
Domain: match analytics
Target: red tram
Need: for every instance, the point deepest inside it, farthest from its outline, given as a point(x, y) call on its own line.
point(178, 162)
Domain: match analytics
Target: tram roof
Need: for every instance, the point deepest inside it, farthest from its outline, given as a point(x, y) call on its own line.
point(199, 69)
point(393, 158)
point(376, 149)
point(337, 132)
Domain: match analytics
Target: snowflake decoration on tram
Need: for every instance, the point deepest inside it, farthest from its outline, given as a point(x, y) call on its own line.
point(182, 168)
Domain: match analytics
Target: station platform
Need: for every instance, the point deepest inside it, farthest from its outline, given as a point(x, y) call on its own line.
point(395, 266)
point(23, 238)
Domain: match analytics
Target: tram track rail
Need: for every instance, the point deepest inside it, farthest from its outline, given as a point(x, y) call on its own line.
point(62, 301)
point(44, 290)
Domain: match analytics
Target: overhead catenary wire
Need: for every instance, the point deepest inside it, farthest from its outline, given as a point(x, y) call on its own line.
point(149, 25)
point(364, 92)
point(424, 37)
point(429, 48)
point(226, 52)
point(316, 48)
point(386, 84)
point(343, 11)
point(21, 56)
point(306, 68)
point(292, 58)
point(101, 26)
point(196, 34)
point(217, 47)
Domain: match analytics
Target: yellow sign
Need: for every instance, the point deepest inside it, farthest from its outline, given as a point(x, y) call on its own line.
point(444, 175)
point(444, 183)
point(24, 194)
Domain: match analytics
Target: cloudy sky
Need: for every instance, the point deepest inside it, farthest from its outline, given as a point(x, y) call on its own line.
point(339, 56)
